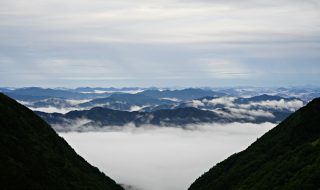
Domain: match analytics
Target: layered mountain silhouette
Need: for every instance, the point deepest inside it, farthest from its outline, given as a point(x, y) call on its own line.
point(184, 94)
point(167, 113)
point(253, 109)
point(34, 157)
point(263, 97)
point(103, 117)
point(286, 157)
point(36, 93)
point(125, 101)
point(151, 106)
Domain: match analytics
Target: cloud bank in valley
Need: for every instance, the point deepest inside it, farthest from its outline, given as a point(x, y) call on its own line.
point(248, 110)
point(52, 109)
point(153, 158)
point(291, 105)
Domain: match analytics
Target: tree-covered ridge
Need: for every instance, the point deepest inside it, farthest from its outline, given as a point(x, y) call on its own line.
point(286, 157)
point(34, 157)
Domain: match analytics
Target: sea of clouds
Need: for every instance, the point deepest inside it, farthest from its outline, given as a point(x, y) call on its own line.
point(160, 158)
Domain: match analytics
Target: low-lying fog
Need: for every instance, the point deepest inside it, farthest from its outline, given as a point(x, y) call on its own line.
point(153, 158)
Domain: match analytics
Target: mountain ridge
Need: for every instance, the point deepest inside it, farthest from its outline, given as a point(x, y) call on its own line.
point(104, 117)
point(34, 157)
point(286, 157)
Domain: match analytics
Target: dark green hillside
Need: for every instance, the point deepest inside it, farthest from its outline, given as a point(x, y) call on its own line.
point(287, 157)
point(34, 157)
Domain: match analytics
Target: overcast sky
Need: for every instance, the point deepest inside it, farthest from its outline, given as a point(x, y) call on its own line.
point(159, 43)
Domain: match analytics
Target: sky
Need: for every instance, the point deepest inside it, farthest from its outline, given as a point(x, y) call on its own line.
point(148, 156)
point(165, 43)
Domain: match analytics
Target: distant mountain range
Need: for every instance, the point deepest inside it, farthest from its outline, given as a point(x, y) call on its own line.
point(160, 112)
point(304, 93)
point(34, 157)
point(103, 107)
point(179, 117)
point(36, 93)
point(184, 94)
point(32, 93)
point(126, 101)
point(103, 117)
point(286, 157)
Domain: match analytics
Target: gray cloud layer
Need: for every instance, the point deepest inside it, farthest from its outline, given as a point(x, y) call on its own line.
point(137, 42)
point(153, 158)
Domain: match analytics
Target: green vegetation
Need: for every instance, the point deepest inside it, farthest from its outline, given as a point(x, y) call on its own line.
point(287, 157)
point(34, 157)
